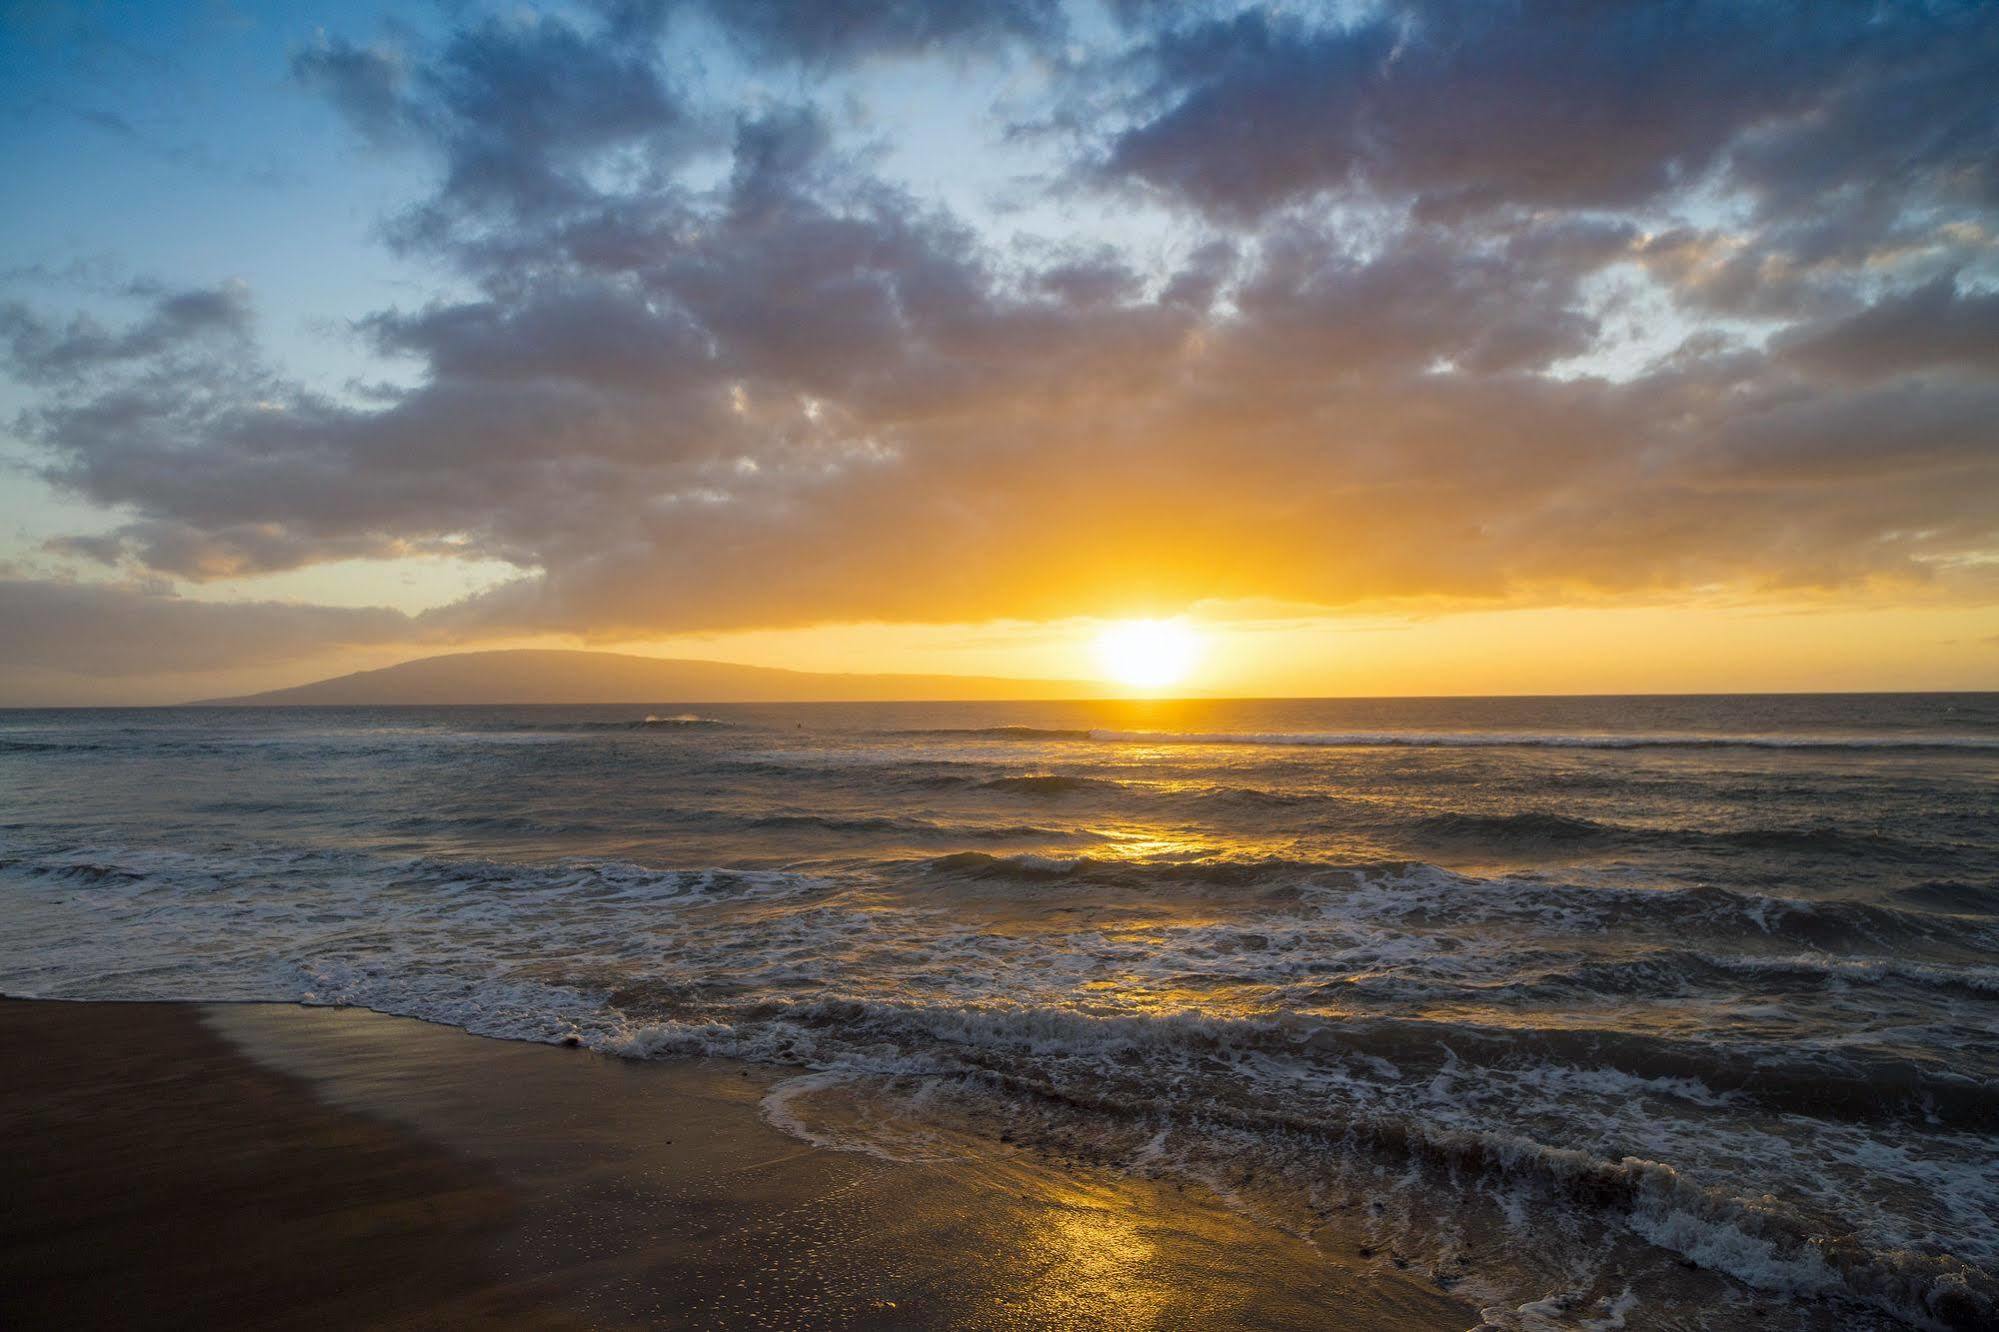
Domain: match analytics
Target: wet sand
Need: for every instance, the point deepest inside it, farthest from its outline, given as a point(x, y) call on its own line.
point(253, 1165)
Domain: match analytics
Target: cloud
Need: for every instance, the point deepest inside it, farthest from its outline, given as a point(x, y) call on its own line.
point(825, 32)
point(1783, 159)
point(96, 629)
point(1460, 104)
point(369, 85)
point(204, 554)
point(1934, 327)
point(39, 350)
point(1465, 106)
point(703, 366)
point(156, 138)
point(521, 112)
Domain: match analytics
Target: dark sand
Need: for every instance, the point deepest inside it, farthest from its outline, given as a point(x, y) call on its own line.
point(273, 1166)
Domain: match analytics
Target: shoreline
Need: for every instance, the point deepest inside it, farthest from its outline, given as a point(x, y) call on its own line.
point(272, 1164)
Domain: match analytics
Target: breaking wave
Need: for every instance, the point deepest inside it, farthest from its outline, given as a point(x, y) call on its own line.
point(1534, 828)
point(1413, 891)
point(1000, 733)
point(1050, 784)
point(1078, 1063)
point(684, 721)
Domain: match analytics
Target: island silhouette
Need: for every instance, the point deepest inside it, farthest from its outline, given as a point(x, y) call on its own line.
point(532, 675)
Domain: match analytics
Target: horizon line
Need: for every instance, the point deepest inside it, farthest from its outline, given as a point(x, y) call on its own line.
point(218, 705)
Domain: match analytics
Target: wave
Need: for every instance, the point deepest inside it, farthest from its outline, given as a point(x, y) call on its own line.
point(197, 875)
point(1672, 972)
point(1822, 840)
point(1079, 1063)
point(1050, 784)
point(1532, 826)
point(901, 825)
point(1977, 981)
point(1538, 828)
point(1827, 1082)
point(1952, 897)
point(1268, 872)
point(1427, 893)
point(999, 733)
point(1564, 978)
point(1518, 833)
point(684, 721)
point(549, 726)
point(19, 745)
point(1414, 894)
point(1538, 740)
point(1263, 798)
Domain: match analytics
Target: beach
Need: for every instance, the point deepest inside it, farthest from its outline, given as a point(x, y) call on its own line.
point(270, 1166)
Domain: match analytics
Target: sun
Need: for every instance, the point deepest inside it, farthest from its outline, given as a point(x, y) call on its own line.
point(1147, 654)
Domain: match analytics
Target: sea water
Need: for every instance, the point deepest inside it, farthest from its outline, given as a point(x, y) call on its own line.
point(1606, 1011)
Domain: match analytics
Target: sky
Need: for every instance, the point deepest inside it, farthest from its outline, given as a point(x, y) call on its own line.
point(1411, 347)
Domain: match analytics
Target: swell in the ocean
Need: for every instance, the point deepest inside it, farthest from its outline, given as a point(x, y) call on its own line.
point(1407, 739)
point(1500, 740)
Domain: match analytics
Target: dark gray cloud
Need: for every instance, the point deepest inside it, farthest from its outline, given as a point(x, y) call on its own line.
point(781, 389)
point(40, 350)
point(1466, 106)
point(94, 629)
point(823, 32)
point(521, 113)
point(205, 553)
point(1426, 299)
point(1462, 104)
point(369, 85)
point(1935, 326)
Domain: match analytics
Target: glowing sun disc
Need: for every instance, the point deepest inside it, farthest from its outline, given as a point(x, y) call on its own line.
point(1147, 654)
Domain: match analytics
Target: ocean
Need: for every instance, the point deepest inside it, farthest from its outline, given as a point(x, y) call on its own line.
point(1642, 1012)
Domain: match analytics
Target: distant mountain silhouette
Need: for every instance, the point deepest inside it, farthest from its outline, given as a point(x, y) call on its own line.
point(536, 676)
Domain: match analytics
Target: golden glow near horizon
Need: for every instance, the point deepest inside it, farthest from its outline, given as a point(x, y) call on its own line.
point(1147, 654)
point(1278, 652)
